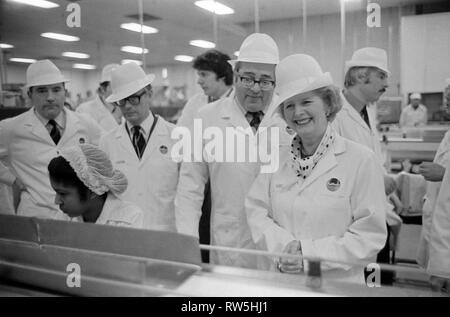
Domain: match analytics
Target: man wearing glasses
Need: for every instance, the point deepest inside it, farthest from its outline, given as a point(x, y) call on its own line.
point(140, 148)
point(248, 109)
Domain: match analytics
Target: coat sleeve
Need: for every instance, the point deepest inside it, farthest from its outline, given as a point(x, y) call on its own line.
point(6, 177)
point(366, 234)
point(439, 259)
point(190, 196)
point(265, 231)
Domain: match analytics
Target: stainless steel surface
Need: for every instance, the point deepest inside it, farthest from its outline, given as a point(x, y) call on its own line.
point(36, 254)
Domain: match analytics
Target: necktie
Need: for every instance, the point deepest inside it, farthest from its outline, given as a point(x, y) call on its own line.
point(365, 115)
point(54, 132)
point(255, 118)
point(138, 141)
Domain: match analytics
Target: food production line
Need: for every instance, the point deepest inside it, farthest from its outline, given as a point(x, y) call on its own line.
point(53, 258)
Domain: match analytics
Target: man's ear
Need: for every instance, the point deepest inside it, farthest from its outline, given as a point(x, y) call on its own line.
point(29, 92)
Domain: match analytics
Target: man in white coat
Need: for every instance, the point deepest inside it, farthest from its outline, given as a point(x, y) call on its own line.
point(141, 148)
point(29, 141)
point(365, 81)
point(107, 115)
point(247, 112)
point(415, 114)
point(215, 77)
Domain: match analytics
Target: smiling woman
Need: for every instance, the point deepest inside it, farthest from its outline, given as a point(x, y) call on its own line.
point(326, 199)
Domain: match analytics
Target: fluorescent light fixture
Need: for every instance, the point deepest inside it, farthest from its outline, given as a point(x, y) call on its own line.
point(126, 61)
point(60, 37)
point(202, 44)
point(75, 55)
point(38, 3)
point(84, 66)
point(135, 27)
point(22, 60)
point(184, 58)
point(236, 53)
point(5, 46)
point(214, 7)
point(133, 49)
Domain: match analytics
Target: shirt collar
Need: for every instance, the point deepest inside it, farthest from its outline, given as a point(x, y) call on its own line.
point(146, 125)
point(60, 119)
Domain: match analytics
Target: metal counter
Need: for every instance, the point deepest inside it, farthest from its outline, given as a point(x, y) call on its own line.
point(41, 257)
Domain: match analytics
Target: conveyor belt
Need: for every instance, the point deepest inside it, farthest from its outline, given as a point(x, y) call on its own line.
point(35, 257)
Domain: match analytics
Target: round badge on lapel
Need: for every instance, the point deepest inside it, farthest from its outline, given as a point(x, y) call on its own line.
point(163, 149)
point(333, 184)
point(82, 141)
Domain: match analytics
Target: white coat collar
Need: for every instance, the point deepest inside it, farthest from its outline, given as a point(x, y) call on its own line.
point(35, 126)
point(327, 163)
point(352, 113)
point(124, 140)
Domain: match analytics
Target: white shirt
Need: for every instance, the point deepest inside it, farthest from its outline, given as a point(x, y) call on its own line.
point(411, 117)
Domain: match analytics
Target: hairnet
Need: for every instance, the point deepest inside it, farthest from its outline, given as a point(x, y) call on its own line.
point(94, 169)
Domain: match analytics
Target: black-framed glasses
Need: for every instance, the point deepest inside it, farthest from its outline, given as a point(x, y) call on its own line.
point(133, 100)
point(249, 82)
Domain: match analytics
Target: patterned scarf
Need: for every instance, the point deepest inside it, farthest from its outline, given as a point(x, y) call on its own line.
point(302, 164)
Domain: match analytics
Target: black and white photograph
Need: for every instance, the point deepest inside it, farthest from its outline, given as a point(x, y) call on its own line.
point(225, 154)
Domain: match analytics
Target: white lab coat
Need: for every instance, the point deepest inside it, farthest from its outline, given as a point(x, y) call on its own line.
point(349, 124)
point(152, 181)
point(439, 255)
point(194, 104)
point(117, 212)
point(413, 118)
point(435, 221)
point(97, 111)
point(27, 147)
point(191, 109)
point(230, 182)
point(347, 224)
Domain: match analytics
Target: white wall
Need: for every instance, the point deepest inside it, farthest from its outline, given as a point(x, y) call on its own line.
point(425, 52)
point(323, 40)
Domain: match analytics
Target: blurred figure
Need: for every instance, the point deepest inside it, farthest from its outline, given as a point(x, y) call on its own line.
point(141, 148)
point(87, 188)
point(107, 115)
point(215, 77)
point(29, 141)
point(415, 114)
point(327, 198)
point(434, 246)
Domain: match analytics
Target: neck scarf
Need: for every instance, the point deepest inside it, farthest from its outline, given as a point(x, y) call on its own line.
point(302, 164)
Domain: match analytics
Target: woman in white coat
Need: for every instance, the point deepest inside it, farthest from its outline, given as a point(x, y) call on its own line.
point(326, 200)
point(87, 188)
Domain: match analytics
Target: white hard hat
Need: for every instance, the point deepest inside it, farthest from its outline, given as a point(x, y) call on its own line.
point(415, 95)
point(44, 72)
point(106, 72)
point(126, 80)
point(297, 74)
point(368, 57)
point(258, 48)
